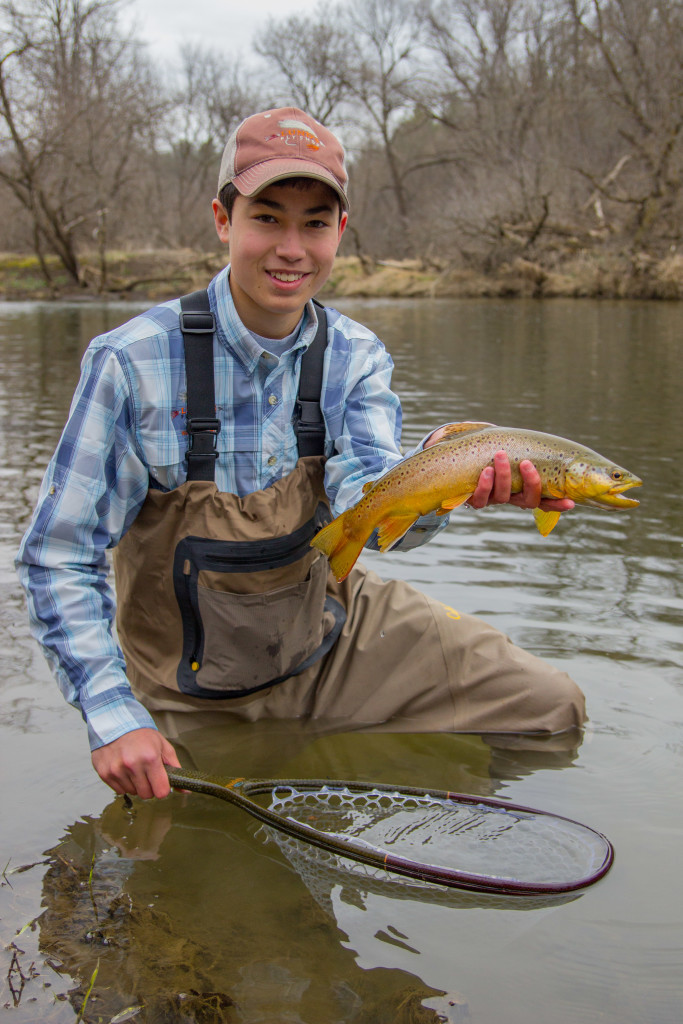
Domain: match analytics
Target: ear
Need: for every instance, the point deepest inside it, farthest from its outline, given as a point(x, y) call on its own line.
point(343, 221)
point(222, 221)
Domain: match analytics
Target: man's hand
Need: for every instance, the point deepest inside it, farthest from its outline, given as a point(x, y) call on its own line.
point(495, 488)
point(134, 763)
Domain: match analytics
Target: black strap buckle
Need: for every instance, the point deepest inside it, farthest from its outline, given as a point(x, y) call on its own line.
point(197, 323)
point(198, 426)
point(309, 417)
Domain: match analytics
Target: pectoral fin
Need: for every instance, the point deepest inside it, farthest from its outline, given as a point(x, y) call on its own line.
point(545, 521)
point(448, 504)
point(553, 492)
point(390, 530)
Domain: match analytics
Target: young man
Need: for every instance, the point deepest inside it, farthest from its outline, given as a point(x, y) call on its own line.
point(197, 472)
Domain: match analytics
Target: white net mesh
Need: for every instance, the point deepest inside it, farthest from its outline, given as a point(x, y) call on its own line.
point(475, 838)
point(323, 871)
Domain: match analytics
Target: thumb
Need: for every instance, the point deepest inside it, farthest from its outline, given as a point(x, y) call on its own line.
point(168, 754)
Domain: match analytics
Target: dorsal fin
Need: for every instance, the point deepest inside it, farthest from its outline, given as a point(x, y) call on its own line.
point(466, 427)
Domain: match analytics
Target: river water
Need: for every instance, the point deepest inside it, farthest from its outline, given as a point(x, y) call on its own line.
point(180, 911)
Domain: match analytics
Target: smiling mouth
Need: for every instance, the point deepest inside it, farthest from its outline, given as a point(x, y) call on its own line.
point(288, 277)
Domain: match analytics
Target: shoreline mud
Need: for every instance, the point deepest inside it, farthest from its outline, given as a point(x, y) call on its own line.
point(156, 276)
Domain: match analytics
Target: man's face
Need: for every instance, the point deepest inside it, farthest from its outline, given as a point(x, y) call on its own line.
point(282, 247)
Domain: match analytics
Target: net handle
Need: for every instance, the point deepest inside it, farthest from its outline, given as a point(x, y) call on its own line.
point(238, 791)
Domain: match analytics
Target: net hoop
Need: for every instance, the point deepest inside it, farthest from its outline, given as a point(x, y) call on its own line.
point(241, 792)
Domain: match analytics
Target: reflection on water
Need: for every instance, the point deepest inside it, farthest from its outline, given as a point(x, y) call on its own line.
point(184, 909)
point(132, 880)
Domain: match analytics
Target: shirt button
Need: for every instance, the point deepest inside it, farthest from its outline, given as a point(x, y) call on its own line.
point(273, 400)
point(272, 460)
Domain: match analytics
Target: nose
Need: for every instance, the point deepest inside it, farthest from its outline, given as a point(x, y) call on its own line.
point(290, 245)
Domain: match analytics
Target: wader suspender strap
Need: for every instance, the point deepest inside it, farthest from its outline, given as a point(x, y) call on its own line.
point(198, 326)
point(309, 425)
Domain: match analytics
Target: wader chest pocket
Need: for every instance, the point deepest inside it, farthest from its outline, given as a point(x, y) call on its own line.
point(241, 631)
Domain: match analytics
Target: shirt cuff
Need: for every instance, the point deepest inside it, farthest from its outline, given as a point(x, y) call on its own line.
point(420, 444)
point(112, 714)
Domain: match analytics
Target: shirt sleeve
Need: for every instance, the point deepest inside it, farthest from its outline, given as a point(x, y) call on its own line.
point(92, 490)
point(364, 442)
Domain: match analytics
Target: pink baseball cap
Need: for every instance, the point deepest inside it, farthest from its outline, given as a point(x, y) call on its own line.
point(282, 143)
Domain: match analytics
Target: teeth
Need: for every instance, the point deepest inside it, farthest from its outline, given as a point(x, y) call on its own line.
point(279, 276)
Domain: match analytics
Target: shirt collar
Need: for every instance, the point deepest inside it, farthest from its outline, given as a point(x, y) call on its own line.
point(233, 334)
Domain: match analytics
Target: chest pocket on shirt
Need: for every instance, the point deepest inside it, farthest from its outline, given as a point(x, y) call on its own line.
point(164, 453)
point(238, 450)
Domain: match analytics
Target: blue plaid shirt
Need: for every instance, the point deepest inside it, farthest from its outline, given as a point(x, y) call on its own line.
point(126, 433)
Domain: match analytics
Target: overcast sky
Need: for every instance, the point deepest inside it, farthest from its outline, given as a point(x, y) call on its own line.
point(228, 24)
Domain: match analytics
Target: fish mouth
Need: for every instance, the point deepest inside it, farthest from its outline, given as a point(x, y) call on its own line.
point(614, 495)
point(617, 501)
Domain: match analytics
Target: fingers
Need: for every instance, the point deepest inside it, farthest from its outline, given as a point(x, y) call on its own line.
point(502, 484)
point(495, 483)
point(134, 764)
point(557, 504)
point(530, 495)
point(482, 493)
point(156, 781)
point(532, 487)
point(495, 488)
point(168, 754)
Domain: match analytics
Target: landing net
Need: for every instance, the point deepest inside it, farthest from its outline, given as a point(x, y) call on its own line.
point(501, 846)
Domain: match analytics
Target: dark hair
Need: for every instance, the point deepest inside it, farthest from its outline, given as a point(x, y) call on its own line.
point(228, 194)
point(226, 197)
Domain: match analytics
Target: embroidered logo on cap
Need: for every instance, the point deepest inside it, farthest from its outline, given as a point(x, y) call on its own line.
point(291, 132)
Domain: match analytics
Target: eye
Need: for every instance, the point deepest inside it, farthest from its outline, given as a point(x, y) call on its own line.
point(616, 474)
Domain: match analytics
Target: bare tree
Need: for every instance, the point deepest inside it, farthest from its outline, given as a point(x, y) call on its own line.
point(635, 61)
point(379, 77)
point(310, 56)
point(75, 102)
point(352, 63)
point(207, 100)
point(476, 129)
point(495, 88)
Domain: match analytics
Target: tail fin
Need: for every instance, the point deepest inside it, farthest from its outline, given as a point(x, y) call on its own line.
point(341, 550)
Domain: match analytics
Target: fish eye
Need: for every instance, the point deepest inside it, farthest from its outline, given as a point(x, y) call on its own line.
point(617, 474)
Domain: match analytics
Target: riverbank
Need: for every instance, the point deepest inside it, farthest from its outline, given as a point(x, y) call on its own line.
point(156, 276)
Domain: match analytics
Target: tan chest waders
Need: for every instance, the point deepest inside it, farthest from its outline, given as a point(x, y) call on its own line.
point(225, 608)
point(220, 596)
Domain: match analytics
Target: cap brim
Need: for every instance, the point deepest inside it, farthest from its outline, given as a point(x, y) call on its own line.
point(256, 178)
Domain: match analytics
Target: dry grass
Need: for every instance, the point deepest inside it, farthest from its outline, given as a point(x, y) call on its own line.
point(164, 274)
point(580, 275)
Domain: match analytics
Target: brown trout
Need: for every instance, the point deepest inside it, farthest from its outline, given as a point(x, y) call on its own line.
point(444, 476)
